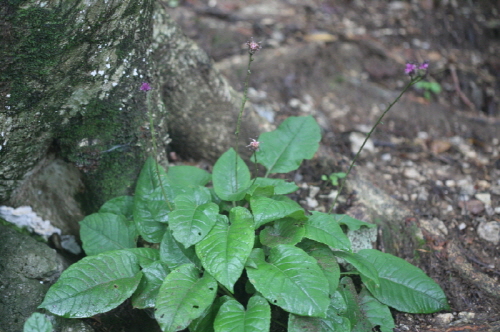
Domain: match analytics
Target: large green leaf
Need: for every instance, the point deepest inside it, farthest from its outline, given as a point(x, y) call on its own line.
point(123, 205)
point(148, 180)
point(102, 232)
point(233, 317)
point(283, 231)
point(403, 286)
point(94, 285)
point(186, 175)
point(151, 214)
point(364, 266)
point(151, 207)
point(205, 323)
point(193, 217)
point(183, 296)
point(230, 182)
point(37, 323)
point(224, 251)
point(377, 313)
point(283, 149)
point(333, 321)
point(326, 261)
point(356, 316)
point(145, 294)
point(290, 279)
point(266, 209)
point(322, 227)
point(174, 254)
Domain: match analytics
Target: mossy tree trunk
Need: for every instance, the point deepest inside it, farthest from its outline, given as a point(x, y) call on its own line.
point(69, 97)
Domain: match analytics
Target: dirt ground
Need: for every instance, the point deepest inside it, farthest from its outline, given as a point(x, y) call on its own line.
point(438, 154)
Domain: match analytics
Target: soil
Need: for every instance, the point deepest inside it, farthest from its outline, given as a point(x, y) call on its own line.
point(436, 154)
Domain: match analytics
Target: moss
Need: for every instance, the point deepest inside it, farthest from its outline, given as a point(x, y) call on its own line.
point(38, 36)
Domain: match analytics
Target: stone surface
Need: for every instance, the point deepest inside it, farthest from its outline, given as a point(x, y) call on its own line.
point(27, 268)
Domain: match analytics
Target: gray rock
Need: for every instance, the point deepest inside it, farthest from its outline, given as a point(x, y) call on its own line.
point(27, 268)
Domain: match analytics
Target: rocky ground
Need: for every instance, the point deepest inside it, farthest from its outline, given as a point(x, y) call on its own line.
point(437, 153)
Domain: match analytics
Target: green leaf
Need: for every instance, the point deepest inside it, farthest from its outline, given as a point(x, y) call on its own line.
point(205, 323)
point(365, 267)
point(230, 182)
point(326, 261)
point(174, 254)
point(403, 286)
point(333, 321)
point(193, 217)
point(146, 292)
point(151, 213)
point(281, 187)
point(232, 316)
point(352, 223)
point(283, 149)
point(356, 316)
point(183, 296)
point(224, 251)
point(37, 323)
point(283, 231)
point(146, 256)
point(151, 207)
point(94, 285)
point(148, 180)
point(322, 227)
point(290, 279)
point(102, 232)
point(377, 313)
point(123, 205)
point(185, 176)
point(266, 209)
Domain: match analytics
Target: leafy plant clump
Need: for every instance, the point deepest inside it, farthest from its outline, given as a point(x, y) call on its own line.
point(220, 257)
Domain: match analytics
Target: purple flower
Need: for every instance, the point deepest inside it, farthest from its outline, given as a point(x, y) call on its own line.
point(424, 65)
point(254, 145)
point(145, 86)
point(410, 69)
point(253, 46)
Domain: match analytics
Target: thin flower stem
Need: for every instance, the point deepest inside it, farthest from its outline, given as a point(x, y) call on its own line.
point(155, 150)
point(256, 167)
point(240, 116)
point(413, 81)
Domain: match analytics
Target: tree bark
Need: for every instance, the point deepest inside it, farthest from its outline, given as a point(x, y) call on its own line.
point(74, 130)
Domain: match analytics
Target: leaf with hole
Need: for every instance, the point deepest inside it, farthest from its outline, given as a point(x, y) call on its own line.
point(183, 296)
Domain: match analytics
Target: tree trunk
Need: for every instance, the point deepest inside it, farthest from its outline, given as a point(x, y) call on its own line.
point(74, 130)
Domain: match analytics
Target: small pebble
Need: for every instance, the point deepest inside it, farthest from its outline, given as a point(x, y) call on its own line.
point(489, 231)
